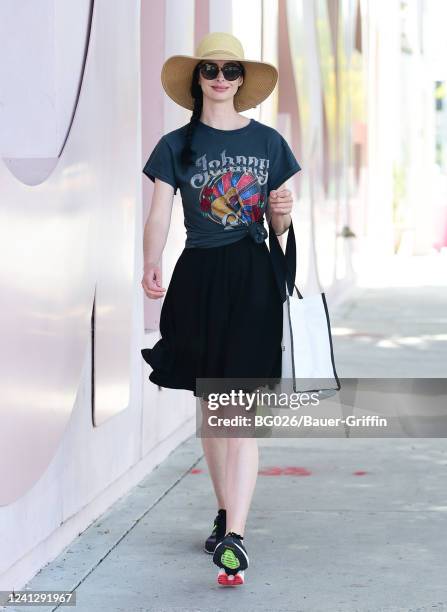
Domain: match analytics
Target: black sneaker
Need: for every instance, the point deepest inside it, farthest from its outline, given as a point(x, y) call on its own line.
point(218, 532)
point(232, 557)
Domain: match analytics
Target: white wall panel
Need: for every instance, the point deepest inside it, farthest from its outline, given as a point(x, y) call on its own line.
point(59, 240)
point(43, 51)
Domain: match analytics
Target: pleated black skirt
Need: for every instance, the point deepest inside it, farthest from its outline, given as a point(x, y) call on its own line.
point(221, 318)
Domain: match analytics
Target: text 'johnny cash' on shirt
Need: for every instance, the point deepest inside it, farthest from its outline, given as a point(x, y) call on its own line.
point(227, 186)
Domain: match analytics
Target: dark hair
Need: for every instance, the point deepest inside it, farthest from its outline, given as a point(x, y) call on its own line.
point(186, 156)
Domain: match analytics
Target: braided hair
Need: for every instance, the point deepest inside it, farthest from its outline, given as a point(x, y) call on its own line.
point(186, 156)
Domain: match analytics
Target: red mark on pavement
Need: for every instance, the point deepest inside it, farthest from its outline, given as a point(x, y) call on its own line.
point(272, 471)
point(290, 470)
point(296, 471)
point(196, 471)
point(360, 473)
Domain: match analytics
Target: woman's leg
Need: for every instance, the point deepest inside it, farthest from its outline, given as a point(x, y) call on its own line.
point(241, 474)
point(215, 450)
point(233, 464)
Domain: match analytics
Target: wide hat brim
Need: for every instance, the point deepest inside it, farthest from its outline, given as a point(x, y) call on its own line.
point(259, 81)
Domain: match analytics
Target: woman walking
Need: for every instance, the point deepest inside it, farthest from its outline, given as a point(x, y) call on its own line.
point(222, 313)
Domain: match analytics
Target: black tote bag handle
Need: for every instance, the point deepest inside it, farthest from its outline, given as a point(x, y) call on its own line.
point(284, 264)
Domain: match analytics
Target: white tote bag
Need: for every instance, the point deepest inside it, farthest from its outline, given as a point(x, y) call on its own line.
point(308, 358)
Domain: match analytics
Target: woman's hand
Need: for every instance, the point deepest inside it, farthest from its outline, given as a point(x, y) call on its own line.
point(151, 282)
point(280, 203)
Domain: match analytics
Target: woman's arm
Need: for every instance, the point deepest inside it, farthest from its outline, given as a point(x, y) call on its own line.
point(154, 238)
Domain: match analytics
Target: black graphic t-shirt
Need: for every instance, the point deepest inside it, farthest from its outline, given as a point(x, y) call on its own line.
point(227, 186)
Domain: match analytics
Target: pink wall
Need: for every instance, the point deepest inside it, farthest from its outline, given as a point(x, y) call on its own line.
point(202, 20)
point(152, 28)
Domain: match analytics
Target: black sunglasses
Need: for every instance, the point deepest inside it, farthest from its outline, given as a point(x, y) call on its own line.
point(210, 70)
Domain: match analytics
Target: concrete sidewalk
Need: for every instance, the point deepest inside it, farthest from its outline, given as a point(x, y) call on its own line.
point(351, 525)
point(363, 530)
point(394, 322)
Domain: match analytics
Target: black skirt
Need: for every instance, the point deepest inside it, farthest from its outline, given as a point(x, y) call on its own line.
point(221, 318)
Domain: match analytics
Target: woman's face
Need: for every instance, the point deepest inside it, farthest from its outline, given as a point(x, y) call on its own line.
point(219, 89)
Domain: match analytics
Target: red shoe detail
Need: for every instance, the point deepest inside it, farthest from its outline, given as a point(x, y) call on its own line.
point(238, 579)
point(225, 579)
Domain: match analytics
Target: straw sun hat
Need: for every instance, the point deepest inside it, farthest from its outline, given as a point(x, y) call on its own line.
point(259, 80)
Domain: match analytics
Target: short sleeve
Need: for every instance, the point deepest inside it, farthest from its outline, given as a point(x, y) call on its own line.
point(283, 163)
point(161, 164)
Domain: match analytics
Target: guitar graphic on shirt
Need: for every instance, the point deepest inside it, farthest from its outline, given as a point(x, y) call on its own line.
point(236, 205)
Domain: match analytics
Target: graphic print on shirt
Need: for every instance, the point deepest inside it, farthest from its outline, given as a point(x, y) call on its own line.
point(234, 198)
point(232, 194)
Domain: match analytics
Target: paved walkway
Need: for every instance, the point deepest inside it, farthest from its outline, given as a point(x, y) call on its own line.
point(336, 524)
point(364, 530)
point(394, 324)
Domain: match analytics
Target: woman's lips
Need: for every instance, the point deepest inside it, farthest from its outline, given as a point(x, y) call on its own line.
point(219, 88)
